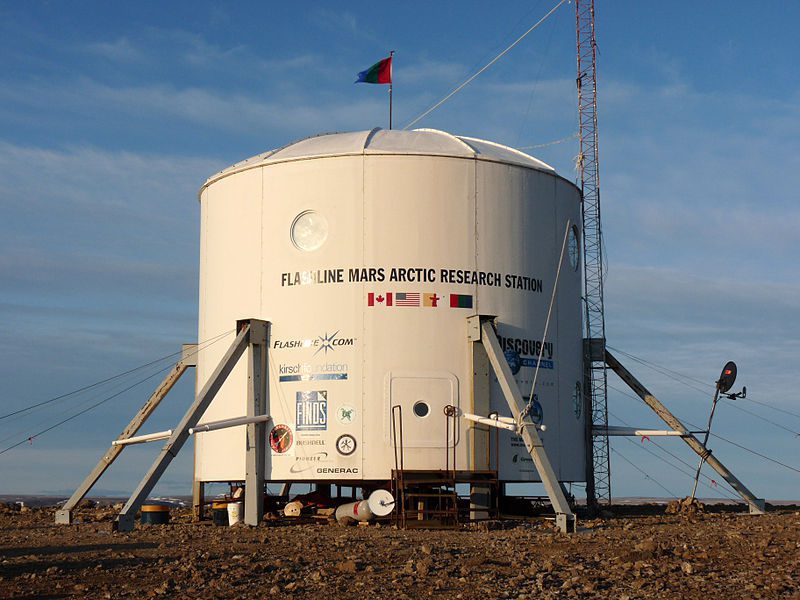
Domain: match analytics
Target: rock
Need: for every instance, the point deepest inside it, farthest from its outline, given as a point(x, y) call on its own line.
point(424, 567)
point(347, 566)
point(687, 506)
point(687, 568)
point(646, 546)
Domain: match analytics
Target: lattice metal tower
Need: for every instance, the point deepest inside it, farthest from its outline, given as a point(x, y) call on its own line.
point(598, 484)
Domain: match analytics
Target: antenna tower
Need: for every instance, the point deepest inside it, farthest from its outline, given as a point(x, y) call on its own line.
point(598, 480)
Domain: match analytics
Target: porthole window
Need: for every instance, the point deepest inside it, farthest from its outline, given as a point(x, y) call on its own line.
point(577, 400)
point(309, 230)
point(421, 409)
point(574, 248)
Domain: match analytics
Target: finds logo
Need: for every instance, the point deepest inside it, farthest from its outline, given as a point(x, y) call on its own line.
point(312, 411)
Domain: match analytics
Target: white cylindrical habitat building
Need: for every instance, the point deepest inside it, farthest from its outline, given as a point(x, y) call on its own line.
point(367, 252)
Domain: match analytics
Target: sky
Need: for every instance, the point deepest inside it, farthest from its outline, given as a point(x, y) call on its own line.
point(112, 116)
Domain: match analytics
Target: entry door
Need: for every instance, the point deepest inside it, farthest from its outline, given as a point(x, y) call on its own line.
point(423, 397)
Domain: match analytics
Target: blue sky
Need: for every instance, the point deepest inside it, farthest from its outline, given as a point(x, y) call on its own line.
point(112, 116)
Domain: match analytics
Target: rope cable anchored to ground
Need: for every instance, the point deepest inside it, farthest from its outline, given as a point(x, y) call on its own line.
point(714, 435)
point(199, 347)
point(109, 379)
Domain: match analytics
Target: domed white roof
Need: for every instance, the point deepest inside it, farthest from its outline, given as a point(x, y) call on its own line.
point(427, 142)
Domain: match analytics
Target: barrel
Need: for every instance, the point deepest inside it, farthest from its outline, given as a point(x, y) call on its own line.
point(155, 514)
point(219, 513)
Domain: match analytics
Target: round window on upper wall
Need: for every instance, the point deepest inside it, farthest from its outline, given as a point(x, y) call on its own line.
point(574, 248)
point(309, 231)
point(577, 400)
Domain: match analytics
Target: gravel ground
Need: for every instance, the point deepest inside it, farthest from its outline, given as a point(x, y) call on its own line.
point(643, 555)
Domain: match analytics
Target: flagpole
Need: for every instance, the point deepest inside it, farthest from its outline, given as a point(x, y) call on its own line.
point(391, 55)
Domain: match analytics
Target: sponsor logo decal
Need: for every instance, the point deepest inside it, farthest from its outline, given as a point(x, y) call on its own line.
point(311, 442)
point(345, 414)
point(531, 362)
point(328, 342)
point(513, 360)
point(312, 411)
point(522, 459)
point(308, 372)
point(306, 463)
point(339, 470)
point(314, 377)
point(528, 351)
point(346, 444)
point(281, 438)
point(537, 412)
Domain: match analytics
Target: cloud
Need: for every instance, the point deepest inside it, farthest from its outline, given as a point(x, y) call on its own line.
point(98, 255)
point(693, 325)
point(232, 112)
point(119, 50)
point(335, 20)
point(426, 71)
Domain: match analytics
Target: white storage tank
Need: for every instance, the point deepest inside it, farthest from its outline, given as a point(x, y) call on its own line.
point(367, 252)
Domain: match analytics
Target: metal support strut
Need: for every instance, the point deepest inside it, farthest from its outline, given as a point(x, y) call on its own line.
point(565, 519)
point(188, 359)
point(253, 334)
point(756, 504)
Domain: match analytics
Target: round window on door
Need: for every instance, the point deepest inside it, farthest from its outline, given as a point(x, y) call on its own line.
point(421, 409)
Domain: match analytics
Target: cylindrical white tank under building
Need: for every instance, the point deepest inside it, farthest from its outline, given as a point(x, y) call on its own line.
point(367, 252)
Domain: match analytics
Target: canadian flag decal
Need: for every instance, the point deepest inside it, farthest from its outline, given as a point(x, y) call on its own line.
point(379, 299)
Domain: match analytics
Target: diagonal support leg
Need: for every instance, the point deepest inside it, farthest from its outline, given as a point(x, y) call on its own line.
point(565, 519)
point(125, 519)
point(257, 402)
point(188, 359)
point(756, 504)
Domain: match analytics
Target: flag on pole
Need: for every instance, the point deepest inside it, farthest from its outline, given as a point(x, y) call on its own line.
point(380, 72)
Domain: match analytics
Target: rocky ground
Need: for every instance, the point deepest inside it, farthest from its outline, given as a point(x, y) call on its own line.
point(645, 554)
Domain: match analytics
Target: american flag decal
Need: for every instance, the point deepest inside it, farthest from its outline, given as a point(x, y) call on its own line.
point(407, 299)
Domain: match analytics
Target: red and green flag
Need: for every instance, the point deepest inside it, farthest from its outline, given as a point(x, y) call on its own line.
point(460, 301)
point(380, 72)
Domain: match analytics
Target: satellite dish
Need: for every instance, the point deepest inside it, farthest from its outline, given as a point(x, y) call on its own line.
point(727, 377)
point(381, 502)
